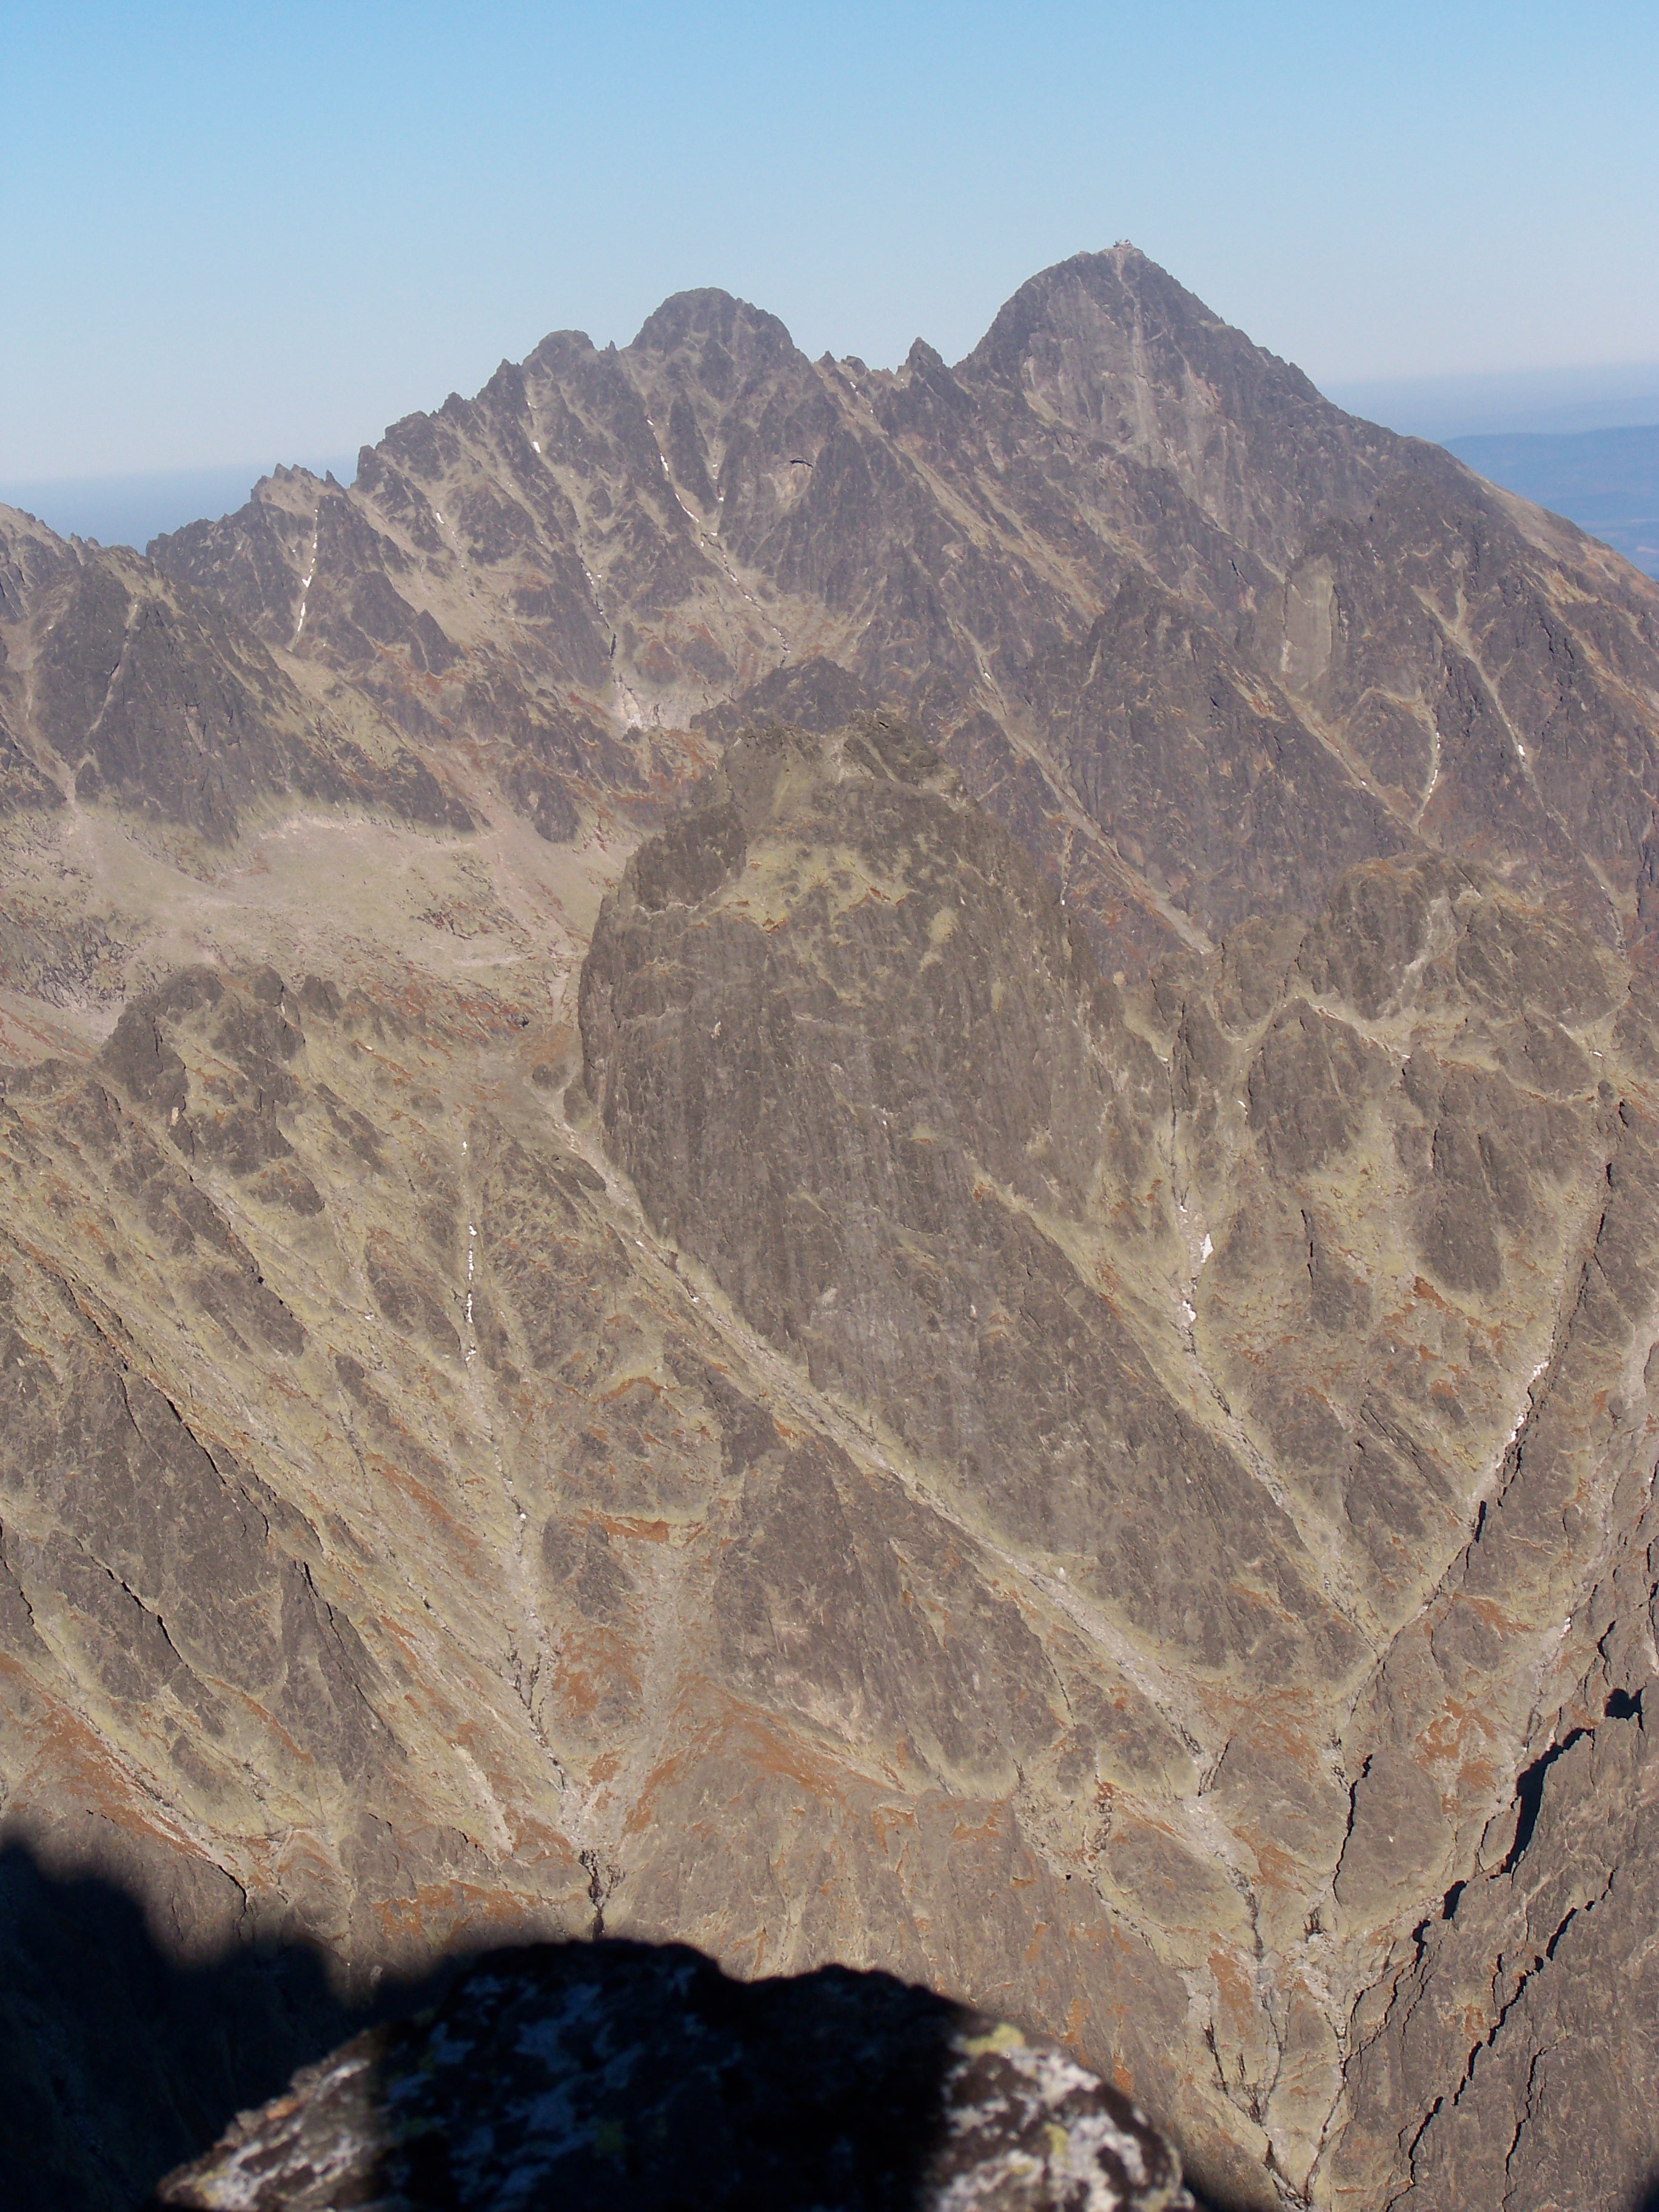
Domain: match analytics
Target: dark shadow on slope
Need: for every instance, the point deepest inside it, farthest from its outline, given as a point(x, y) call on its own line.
point(635, 2077)
point(115, 2062)
point(1529, 1794)
point(673, 2086)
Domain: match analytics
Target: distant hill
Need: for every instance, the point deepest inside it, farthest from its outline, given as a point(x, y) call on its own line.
point(1606, 481)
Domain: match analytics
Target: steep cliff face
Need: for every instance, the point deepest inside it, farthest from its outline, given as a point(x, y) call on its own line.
point(391, 1517)
point(1291, 1332)
point(1009, 1341)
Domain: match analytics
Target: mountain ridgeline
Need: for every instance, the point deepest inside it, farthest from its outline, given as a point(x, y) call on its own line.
point(857, 1166)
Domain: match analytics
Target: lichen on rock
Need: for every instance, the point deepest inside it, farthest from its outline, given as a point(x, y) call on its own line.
point(620, 2074)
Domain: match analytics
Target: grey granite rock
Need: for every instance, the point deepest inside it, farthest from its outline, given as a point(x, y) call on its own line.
point(624, 2078)
point(122, 688)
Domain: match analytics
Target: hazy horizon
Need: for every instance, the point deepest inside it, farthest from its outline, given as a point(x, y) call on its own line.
point(236, 233)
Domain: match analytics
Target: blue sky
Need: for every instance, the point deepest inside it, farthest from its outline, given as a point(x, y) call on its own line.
point(253, 232)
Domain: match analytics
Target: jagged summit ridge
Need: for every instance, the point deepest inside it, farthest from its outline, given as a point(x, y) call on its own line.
point(611, 541)
point(956, 1267)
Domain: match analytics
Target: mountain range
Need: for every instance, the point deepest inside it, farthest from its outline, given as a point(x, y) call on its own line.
point(1608, 480)
point(860, 1165)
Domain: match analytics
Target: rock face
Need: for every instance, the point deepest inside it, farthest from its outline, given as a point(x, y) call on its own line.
point(117, 685)
point(1199, 639)
point(1271, 1330)
point(1009, 1341)
point(614, 2074)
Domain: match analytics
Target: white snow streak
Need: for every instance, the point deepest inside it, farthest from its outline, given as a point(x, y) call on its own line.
point(305, 586)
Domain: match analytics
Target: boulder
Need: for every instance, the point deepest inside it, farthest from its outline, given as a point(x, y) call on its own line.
point(619, 2074)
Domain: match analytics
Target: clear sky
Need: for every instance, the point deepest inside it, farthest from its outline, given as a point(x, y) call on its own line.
point(254, 232)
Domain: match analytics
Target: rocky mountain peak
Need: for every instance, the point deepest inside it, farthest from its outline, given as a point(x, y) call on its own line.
point(721, 337)
point(856, 1166)
point(1082, 334)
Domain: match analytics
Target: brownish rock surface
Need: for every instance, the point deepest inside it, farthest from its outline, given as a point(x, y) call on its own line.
point(1275, 1330)
point(1039, 1378)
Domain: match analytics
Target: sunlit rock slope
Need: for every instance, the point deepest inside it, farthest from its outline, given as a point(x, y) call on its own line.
point(862, 1166)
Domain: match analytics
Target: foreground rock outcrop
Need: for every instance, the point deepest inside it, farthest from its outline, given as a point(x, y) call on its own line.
point(617, 2075)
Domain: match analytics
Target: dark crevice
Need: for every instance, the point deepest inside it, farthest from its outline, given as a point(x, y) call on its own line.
point(1353, 1795)
point(602, 1879)
point(1432, 2114)
point(1529, 1796)
point(1622, 1706)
